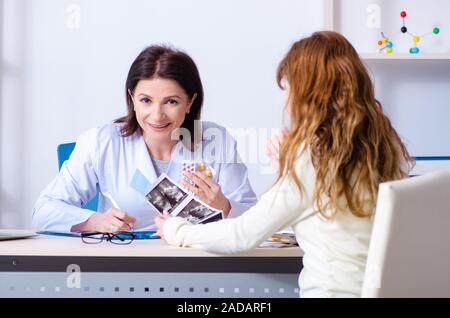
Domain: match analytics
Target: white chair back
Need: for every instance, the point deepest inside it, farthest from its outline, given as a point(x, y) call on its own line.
point(409, 253)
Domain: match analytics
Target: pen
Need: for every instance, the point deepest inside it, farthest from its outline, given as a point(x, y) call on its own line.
point(114, 203)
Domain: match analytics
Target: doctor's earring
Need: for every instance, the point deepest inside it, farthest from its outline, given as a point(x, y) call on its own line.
point(188, 110)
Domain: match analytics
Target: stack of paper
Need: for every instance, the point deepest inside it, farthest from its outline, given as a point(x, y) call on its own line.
point(284, 238)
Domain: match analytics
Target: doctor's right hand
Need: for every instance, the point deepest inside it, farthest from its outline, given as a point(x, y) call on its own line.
point(111, 221)
point(273, 146)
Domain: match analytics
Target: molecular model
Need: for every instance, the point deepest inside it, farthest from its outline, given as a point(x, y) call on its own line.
point(387, 45)
point(415, 38)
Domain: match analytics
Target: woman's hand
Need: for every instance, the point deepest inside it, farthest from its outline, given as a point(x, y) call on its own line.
point(111, 221)
point(273, 146)
point(160, 220)
point(207, 190)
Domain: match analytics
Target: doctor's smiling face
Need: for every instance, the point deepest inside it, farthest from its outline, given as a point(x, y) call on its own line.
point(161, 106)
point(164, 92)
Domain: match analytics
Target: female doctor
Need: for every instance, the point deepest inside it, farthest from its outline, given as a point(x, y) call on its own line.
point(164, 96)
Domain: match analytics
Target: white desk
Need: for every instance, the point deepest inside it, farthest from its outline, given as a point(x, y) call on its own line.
point(43, 267)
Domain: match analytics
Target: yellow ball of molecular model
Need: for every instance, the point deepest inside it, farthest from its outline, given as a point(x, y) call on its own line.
point(385, 44)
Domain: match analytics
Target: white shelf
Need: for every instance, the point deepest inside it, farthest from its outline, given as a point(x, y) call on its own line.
point(405, 56)
point(330, 5)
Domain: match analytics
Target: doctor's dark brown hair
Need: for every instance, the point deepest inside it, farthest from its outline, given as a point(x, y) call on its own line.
point(159, 61)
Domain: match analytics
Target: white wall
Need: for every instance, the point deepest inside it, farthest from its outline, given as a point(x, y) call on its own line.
point(61, 75)
point(64, 65)
point(415, 94)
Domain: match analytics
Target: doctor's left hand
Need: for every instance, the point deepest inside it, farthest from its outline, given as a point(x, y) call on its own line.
point(159, 221)
point(207, 190)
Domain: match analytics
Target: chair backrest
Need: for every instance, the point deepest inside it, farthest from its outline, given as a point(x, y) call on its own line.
point(64, 151)
point(409, 253)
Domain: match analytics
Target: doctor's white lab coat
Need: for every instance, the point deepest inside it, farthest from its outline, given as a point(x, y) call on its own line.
point(103, 158)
